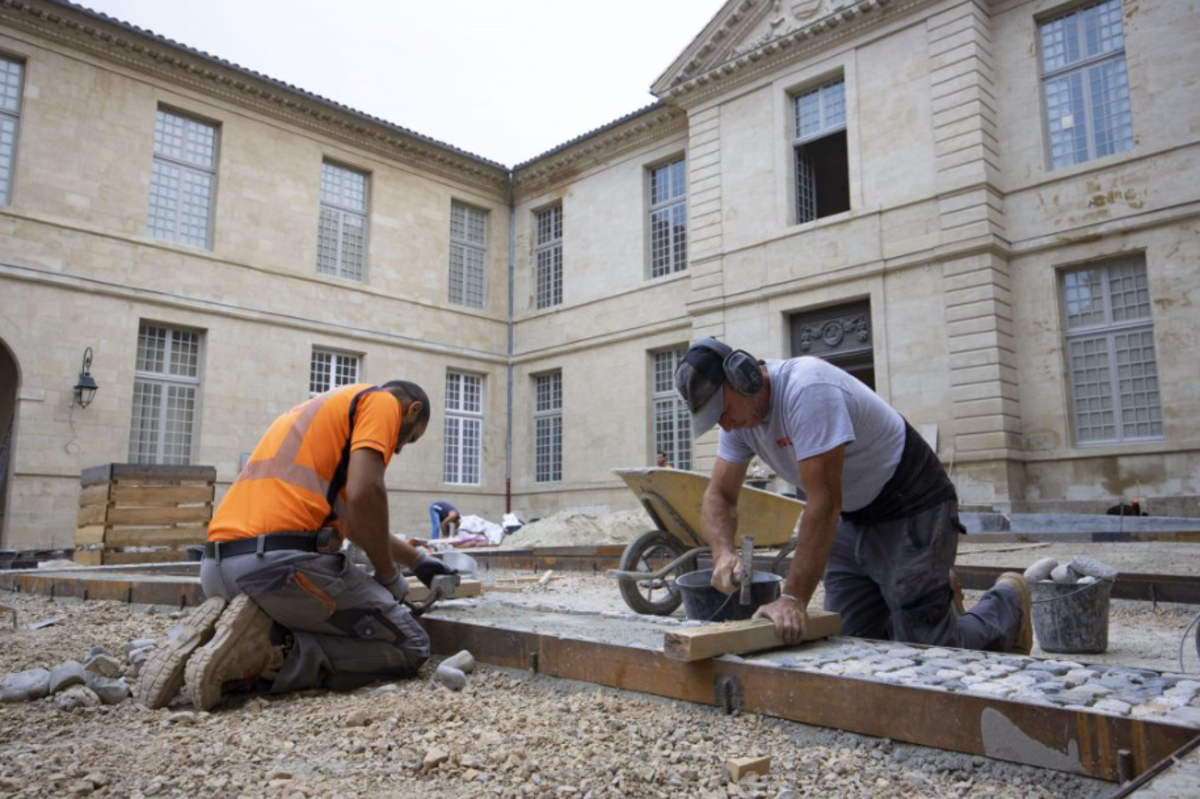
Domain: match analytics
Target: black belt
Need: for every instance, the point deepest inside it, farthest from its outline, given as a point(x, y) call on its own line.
point(304, 542)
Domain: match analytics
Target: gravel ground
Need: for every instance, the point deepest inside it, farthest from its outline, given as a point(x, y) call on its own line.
point(507, 734)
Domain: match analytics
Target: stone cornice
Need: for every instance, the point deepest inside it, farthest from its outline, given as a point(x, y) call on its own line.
point(846, 22)
point(599, 147)
point(65, 23)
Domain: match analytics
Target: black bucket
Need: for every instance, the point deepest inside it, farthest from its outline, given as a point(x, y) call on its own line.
point(702, 602)
point(1071, 618)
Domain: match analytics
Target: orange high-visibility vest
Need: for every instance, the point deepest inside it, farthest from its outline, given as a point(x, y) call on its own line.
point(292, 475)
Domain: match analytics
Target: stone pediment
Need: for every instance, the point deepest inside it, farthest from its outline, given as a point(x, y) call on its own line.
point(745, 29)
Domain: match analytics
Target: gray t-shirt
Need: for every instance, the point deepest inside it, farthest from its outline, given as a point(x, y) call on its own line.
point(816, 406)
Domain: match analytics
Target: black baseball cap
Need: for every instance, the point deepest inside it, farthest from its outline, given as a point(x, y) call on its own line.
point(699, 378)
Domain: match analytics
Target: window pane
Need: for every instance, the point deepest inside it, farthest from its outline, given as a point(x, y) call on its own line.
point(1066, 121)
point(152, 349)
point(1137, 380)
point(185, 353)
point(1060, 42)
point(354, 246)
point(320, 374)
point(672, 422)
point(343, 187)
point(143, 428)
point(165, 393)
point(833, 104)
point(10, 85)
point(1103, 27)
point(808, 113)
point(328, 233)
point(1130, 292)
point(180, 417)
point(8, 149)
point(1111, 115)
point(183, 139)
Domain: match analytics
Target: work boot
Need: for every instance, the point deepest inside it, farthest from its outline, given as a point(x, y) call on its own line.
point(240, 653)
point(1020, 642)
point(161, 676)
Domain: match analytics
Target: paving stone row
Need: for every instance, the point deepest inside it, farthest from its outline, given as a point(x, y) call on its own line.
point(1115, 690)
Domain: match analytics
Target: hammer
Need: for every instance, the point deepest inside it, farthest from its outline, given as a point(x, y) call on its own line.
point(746, 575)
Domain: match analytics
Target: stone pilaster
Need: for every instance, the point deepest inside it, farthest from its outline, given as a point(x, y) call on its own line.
point(705, 241)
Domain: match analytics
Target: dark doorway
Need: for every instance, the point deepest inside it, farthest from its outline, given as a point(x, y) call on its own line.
point(841, 335)
point(9, 378)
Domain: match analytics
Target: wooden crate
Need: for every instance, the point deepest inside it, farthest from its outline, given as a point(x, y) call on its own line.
point(123, 506)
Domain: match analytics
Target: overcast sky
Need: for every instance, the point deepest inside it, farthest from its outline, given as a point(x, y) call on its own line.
point(505, 79)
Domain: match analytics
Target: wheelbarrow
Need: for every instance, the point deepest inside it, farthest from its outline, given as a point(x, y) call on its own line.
point(672, 497)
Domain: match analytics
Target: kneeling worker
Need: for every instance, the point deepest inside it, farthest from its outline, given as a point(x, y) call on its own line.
point(881, 518)
point(300, 614)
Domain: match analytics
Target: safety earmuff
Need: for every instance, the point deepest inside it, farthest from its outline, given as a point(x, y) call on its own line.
point(743, 373)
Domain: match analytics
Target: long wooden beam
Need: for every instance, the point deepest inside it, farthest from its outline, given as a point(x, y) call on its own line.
point(740, 637)
point(1106, 747)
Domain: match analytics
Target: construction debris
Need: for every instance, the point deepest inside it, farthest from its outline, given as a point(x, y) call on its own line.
point(738, 767)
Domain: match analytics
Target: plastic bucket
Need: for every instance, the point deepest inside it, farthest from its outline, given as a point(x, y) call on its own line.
point(1076, 618)
point(702, 602)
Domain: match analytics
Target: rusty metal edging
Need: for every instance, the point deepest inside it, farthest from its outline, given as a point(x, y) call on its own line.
point(174, 590)
point(1147, 778)
point(1106, 747)
point(1128, 585)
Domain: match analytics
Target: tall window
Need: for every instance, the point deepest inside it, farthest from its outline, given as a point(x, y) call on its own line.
point(468, 252)
point(332, 369)
point(672, 421)
point(1110, 348)
point(548, 252)
point(822, 162)
point(10, 113)
point(166, 387)
point(668, 218)
point(183, 179)
point(547, 424)
point(1085, 85)
point(342, 231)
point(464, 428)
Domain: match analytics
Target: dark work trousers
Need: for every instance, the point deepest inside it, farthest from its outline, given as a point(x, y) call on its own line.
point(891, 581)
point(348, 629)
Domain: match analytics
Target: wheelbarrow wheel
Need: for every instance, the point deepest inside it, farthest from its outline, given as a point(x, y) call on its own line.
point(647, 553)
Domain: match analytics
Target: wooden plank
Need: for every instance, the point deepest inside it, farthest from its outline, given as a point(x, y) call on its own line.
point(156, 536)
point(94, 494)
point(738, 637)
point(157, 516)
point(160, 496)
point(92, 534)
point(158, 556)
point(162, 472)
point(88, 557)
point(91, 515)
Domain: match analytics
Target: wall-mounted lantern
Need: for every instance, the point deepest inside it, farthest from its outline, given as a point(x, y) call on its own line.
point(85, 389)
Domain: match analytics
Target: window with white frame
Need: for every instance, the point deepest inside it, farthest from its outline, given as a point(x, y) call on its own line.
point(166, 389)
point(1085, 85)
point(548, 428)
point(549, 257)
point(668, 218)
point(332, 369)
point(183, 179)
point(464, 428)
point(342, 230)
point(11, 73)
point(672, 421)
point(822, 159)
point(1110, 352)
point(468, 253)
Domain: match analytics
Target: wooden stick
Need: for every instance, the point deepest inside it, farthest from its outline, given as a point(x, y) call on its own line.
point(737, 637)
point(419, 593)
point(546, 577)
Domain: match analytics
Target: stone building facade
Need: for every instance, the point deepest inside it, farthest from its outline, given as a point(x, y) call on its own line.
point(985, 209)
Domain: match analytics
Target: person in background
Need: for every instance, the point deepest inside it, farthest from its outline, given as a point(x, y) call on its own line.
point(660, 460)
point(445, 519)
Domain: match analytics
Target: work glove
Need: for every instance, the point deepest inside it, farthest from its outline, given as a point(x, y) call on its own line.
point(397, 586)
point(426, 568)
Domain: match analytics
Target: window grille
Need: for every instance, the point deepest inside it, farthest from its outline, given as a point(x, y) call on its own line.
point(822, 163)
point(549, 256)
point(1085, 84)
point(668, 218)
point(464, 429)
point(331, 370)
point(183, 179)
point(1110, 351)
point(342, 230)
point(548, 428)
point(468, 253)
point(11, 74)
point(672, 421)
point(166, 390)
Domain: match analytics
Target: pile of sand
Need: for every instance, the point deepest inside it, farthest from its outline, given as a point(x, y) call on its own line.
point(573, 528)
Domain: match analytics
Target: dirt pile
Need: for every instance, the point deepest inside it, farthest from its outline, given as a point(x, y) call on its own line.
point(572, 528)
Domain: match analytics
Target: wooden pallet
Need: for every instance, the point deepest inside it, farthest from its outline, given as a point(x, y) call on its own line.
point(128, 505)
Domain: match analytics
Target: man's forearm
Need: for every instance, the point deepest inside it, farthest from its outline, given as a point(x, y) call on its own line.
point(368, 514)
point(817, 530)
point(401, 551)
point(720, 522)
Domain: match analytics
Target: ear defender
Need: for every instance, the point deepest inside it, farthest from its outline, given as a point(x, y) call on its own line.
point(742, 372)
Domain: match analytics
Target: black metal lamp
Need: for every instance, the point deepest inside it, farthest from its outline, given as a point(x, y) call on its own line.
point(85, 389)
